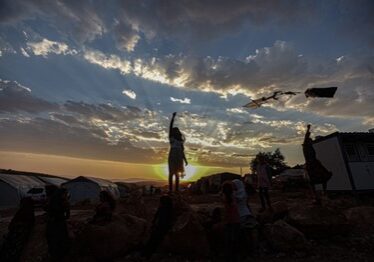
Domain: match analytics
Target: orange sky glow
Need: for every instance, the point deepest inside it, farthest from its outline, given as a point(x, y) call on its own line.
point(72, 167)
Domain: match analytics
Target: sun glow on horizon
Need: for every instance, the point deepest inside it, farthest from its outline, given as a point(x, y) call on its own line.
point(190, 172)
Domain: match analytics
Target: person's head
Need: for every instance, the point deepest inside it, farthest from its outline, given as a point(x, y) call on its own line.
point(227, 191)
point(105, 196)
point(177, 134)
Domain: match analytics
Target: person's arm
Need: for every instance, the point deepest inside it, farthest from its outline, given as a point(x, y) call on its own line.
point(307, 134)
point(171, 123)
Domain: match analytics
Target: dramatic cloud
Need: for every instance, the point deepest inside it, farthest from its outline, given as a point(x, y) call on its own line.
point(279, 67)
point(203, 59)
point(46, 46)
point(182, 101)
point(129, 93)
point(15, 97)
point(80, 19)
point(23, 51)
point(105, 131)
point(52, 137)
point(108, 62)
point(154, 19)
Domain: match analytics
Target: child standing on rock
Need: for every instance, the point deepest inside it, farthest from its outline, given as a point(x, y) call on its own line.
point(176, 155)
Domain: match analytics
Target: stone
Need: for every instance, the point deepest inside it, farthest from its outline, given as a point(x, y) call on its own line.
point(318, 221)
point(361, 217)
point(187, 236)
point(117, 238)
point(279, 211)
point(133, 205)
point(284, 238)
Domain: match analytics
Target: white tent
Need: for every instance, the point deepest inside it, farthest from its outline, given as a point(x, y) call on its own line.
point(14, 187)
point(56, 181)
point(83, 188)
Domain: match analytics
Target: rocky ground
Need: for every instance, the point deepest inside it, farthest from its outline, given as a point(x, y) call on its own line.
point(296, 230)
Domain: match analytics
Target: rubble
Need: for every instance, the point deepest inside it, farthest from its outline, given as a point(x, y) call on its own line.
point(36, 249)
point(115, 239)
point(318, 221)
point(283, 237)
point(295, 230)
point(133, 205)
point(187, 236)
point(279, 211)
point(361, 217)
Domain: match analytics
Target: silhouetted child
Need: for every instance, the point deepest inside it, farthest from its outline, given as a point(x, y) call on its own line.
point(263, 183)
point(248, 223)
point(317, 173)
point(58, 211)
point(162, 223)
point(105, 208)
point(232, 222)
point(19, 230)
point(215, 232)
point(176, 155)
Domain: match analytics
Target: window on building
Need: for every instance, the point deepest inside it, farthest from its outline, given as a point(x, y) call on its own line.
point(370, 149)
point(352, 153)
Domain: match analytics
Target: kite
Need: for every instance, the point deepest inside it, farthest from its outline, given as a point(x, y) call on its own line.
point(256, 103)
point(326, 92)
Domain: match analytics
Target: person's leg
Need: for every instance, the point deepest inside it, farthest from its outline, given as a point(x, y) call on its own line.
point(153, 243)
point(262, 199)
point(324, 187)
point(317, 200)
point(230, 254)
point(176, 182)
point(266, 194)
point(170, 182)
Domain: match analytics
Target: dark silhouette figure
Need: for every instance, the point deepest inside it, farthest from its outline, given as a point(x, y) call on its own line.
point(176, 155)
point(317, 173)
point(214, 228)
point(232, 222)
point(162, 223)
point(248, 223)
point(19, 230)
point(58, 211)
point(263, 183)
point(105, 209)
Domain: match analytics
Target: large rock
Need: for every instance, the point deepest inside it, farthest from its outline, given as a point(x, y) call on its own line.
point(318, 221)
point(284, 237)
point(187, 236)
point(105, 242)
point(133, 205)
point(361, 217)
point(279, 211)
point(36, 248)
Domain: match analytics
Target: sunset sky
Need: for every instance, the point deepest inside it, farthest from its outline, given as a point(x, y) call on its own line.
point(88, 87)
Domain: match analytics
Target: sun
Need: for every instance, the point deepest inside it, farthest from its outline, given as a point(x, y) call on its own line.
point(190, 171)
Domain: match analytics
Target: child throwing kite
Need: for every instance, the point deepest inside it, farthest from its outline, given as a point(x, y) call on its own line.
point(176, 155)
point(317, 173)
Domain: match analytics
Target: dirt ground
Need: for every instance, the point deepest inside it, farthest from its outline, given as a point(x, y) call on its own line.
point(358, 245)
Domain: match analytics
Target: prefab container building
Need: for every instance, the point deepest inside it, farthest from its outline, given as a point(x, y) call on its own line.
point(350, 157)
